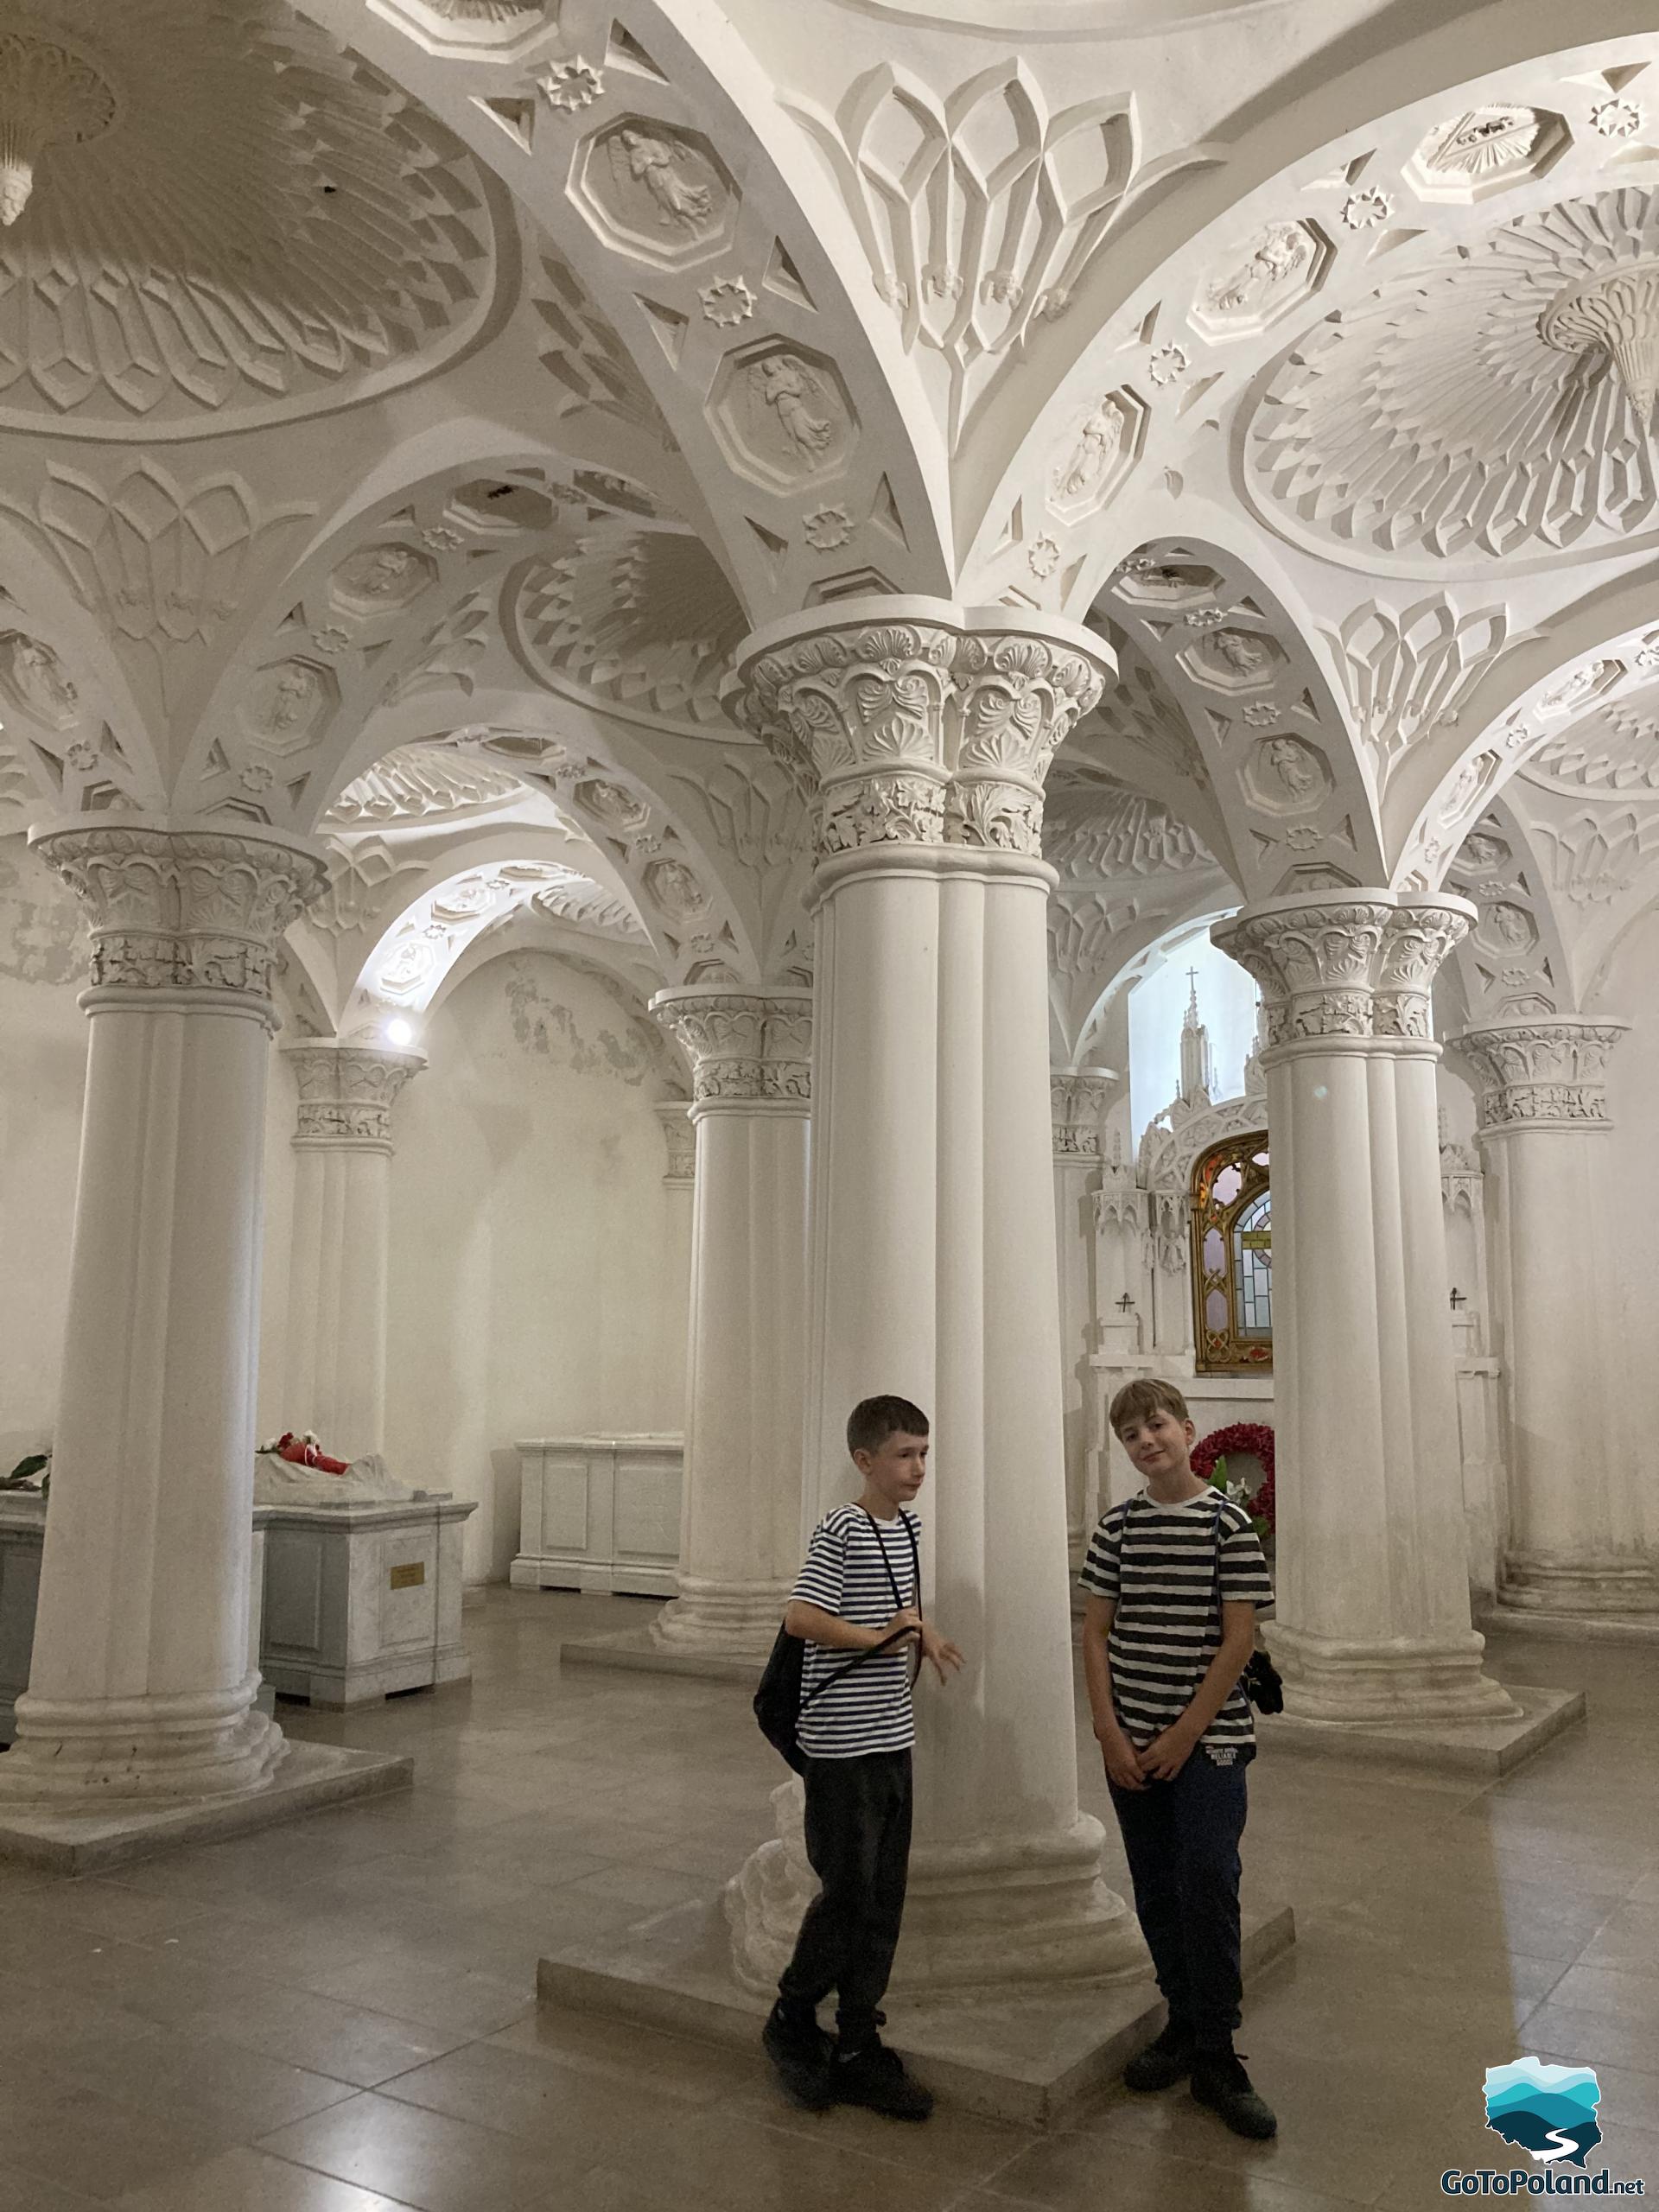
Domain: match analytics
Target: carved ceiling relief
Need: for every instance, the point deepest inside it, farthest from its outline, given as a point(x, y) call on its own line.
point(644, 620)
point(1506, 961)
point(1539, 727)
point(1486, 337)
point(59, 751)
point(1272, 745)
point(1407, 671)
point(408, 966)
point(685, 915)
point(418, 782)
point(1495, 404)
point(979, 210)
point(332, 242)
point(163, 563)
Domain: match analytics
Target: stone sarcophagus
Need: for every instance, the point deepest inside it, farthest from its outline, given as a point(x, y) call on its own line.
point(600, 1513)
point(363, 1599)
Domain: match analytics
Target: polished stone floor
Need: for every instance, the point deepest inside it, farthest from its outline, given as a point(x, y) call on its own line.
point(338, 2016)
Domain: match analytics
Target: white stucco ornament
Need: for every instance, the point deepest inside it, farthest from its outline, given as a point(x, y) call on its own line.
point(49, 97)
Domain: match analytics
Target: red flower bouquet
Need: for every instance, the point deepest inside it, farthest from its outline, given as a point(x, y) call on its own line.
point(1245, 1436)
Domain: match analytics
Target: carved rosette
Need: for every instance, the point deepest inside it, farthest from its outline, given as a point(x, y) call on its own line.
point(196, 916)
point(746, 1050)
point(1547, 1074)
point(1358, 966)
point(921, 732)
point(347, 1092)
point(1077, 1106)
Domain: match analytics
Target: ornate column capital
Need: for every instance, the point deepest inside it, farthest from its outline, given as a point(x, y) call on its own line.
point(1357, 965)
point(920, 722)
point(347, 1092)
point(187, 917)
point(1077, 1106)
point(1541, 1073)
point(748, 1050)
point(681, 1139)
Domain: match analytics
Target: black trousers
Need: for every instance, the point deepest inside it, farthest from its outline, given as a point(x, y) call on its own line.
point(858, 1841)
point(1181, 1840)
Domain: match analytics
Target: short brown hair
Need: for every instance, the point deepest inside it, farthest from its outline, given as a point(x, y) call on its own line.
point(873, 1420)
point(1140, 1400)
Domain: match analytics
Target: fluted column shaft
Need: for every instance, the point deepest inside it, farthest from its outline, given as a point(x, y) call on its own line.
point(334, 1347)
point(1574, 1541)
point(140, 1685)
point(740, 1520)
point(928, 730)
point(1373, 1615)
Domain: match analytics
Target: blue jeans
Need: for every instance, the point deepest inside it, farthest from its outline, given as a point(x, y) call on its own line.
point(1181, 1840)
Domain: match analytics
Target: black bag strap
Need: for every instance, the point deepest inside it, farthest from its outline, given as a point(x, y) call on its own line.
point(898, 1635)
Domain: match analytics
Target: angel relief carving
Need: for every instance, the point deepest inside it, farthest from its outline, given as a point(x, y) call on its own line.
point(785, 385)
point(1100, 447)
point(32, 674)
point(661, 166)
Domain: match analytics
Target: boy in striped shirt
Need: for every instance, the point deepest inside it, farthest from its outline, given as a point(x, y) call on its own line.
point(1175, 1582)
point(862, 1583)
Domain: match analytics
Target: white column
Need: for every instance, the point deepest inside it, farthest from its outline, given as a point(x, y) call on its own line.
point(140, 1686)
point(335, 1349)
point(1373, 1619)
point(1077, 1109)
point(930, 729)
point(1575, 1542)
point(740, 1522)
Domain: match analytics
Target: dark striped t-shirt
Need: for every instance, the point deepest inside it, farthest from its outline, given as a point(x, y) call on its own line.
point(1158, 1563)
point(844, 1573)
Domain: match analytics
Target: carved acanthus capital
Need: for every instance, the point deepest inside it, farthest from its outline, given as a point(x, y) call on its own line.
point(1077, 1106)
point(919, 722)
point(347, 1091)
point(1541, 1074)
point(1360, 964)
point(195, 914)
point(680, 1138)
point(747, 1049)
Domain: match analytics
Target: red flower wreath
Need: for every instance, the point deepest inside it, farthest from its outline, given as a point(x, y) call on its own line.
point(1244, 1436)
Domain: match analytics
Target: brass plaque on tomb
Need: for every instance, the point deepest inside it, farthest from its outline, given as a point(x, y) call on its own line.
point(409, 1575)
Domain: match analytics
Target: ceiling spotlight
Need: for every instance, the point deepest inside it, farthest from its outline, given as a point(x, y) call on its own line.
point(400, 1033)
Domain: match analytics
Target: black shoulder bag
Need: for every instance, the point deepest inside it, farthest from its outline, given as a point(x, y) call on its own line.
point(778, 1703)
point(1261, 1678)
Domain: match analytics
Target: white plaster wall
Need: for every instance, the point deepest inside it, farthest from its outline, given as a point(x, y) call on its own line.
point(539, 1263)
point(44, 1054)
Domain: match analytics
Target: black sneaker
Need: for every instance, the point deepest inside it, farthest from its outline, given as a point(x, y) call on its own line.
point(875, 2076)
point(802, 2054)
point(1162, 2063)
point(1220, 2082)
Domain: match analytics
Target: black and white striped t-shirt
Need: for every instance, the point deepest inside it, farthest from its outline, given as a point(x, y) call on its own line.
point(1158, 1563)
point(844, 1573)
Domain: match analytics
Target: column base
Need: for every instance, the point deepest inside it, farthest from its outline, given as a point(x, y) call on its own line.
point(1609, 1585)
point(733, 1620)
point(71, 1753)
point(1402, 1680)
point(1001, 1915)
point(1031, 2055)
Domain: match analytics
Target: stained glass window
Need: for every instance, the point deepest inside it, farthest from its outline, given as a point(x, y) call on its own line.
point(1232, 1256)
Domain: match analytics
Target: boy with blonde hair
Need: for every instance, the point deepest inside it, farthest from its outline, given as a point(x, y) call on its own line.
point(1175, 1581)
